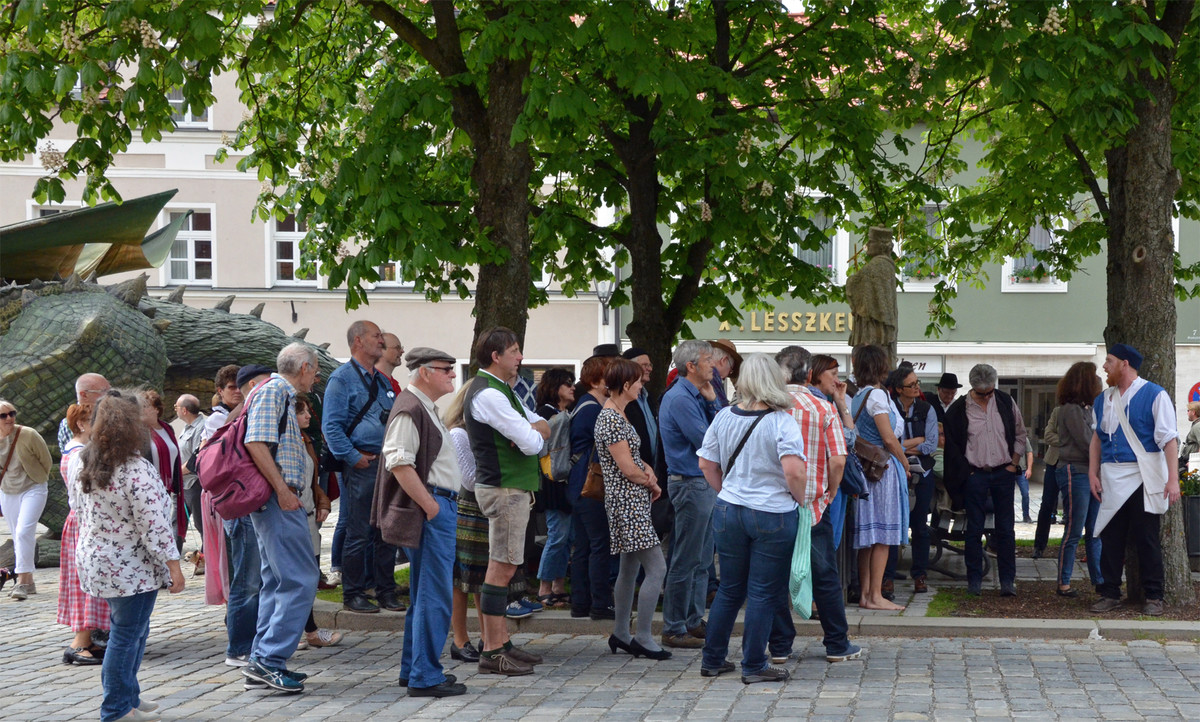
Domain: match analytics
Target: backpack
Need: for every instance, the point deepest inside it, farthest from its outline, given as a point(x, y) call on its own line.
point(559, 445)
point(228, 472)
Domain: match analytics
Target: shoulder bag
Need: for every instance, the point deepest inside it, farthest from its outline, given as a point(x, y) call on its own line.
point(873, 458)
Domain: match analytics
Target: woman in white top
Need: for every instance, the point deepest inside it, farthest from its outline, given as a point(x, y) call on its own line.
point(126, 550)
point(24, 469)
point(753, 456)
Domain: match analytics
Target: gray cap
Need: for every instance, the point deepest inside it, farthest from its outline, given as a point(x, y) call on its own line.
point(422, 355)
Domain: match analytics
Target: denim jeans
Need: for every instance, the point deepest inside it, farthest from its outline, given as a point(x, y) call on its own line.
point(755, 548)
point(591, 562)
point(130, 617)
point(557, 551)
point(1049, 507)
point(1079, 513)
point(289, 581)
point(691, 547)
point(999, 486)
point(366, 558)
point(339, 534)
point(827, 595)
point(918, 522)
point(245, 581)
point(1023, 485)
point(428, 621)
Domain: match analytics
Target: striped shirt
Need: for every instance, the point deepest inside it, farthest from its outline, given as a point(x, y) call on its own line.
point(824, 437)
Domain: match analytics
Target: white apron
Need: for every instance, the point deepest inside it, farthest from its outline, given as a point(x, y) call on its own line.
point(1119, 480)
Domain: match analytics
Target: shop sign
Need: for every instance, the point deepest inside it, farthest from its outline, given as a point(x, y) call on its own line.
point(925, 365)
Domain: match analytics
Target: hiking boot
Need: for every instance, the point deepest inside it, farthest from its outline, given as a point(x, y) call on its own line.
point(919, 586)
point(767, 674)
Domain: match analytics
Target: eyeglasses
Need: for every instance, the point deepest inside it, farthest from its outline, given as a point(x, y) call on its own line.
point(448, 370)
point(8, 415)
point(913, 385)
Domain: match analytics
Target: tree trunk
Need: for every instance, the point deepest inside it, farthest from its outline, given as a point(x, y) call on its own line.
point(1141, 300)
point(502, 173)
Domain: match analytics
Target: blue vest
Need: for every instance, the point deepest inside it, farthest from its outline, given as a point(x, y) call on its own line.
point(1115, 447)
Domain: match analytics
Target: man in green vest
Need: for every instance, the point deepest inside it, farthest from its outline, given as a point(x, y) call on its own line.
point(506, 439)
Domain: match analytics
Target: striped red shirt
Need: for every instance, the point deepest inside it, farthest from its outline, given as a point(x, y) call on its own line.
point(824, 437)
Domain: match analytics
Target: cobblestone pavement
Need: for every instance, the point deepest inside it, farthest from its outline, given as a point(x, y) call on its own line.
point(937, 678)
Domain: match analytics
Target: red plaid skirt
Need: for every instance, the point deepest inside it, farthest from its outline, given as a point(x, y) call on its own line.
point(76, 609)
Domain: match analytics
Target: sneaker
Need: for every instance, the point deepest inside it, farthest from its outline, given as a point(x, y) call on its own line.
point(974, 589)
point(682, 641)
point(768, 674)
point(516, 610)
point(725, 668)
point(147, 706)
point(852, 652)
point(240, 660)
point(781, 658)
point(502, 662)
point(278, 679)
point(1107, 604)
point(248, 683)
point(531, 605)
point(1008, 590)
point(1153, 608)
point(323, 638)
point(137, 715)
point(20, 591)
point(302, 645)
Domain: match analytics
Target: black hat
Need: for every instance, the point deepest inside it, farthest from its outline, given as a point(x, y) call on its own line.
point(1125, 352)
point(249, 371)
point(633, 352)
point(422, 355)
point(607, 349)
point(949, 381)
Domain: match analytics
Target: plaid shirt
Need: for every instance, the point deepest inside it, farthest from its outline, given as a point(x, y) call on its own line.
point(823, 438)
point(271, 400)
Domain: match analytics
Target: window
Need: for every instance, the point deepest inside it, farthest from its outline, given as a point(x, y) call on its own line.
point(916, 269)
point(183, 116)
point(832, 255)
point(191, 258)
point(286, 246)
point(1026, 274)
point(43, 212)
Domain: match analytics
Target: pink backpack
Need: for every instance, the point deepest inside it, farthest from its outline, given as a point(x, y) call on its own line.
point(227, 471)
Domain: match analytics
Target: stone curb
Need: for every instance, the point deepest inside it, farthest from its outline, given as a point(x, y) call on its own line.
point(330, 614)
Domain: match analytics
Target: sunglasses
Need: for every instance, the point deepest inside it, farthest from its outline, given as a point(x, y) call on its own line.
point(443, 369)
point(8, 415)
point(984, 394)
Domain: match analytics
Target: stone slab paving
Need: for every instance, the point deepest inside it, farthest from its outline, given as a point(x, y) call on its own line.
point(915, 678)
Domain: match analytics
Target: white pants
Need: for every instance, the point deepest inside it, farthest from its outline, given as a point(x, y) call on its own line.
point(22, 512)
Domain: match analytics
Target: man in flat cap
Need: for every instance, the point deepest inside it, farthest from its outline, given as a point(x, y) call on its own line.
point(1132, 472)
point(418, 454)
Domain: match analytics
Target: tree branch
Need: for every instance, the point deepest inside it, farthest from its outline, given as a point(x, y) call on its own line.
point(1089, 175)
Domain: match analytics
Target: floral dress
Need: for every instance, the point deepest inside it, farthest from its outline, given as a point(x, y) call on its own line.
point(627, 504)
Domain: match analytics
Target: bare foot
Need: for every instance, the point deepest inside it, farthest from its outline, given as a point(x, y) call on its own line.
point(880, 604)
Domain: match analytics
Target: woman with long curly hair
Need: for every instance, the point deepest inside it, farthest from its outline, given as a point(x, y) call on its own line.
point(126, 550)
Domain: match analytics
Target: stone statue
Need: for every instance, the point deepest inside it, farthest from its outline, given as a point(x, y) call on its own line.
point(871, 293)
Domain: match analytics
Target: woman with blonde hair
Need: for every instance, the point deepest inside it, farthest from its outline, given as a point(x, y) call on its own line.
point(24, 469)
point(753, 457)
point(126, 550)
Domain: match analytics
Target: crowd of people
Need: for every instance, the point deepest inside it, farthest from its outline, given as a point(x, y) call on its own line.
point(701, 497)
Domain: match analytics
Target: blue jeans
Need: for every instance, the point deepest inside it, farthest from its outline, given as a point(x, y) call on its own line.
point(999, 486)
point(289, 581)
point(557, 552)
point(1023, 485)
point(339, 534)
point(691, 547)
point(918, 522)
point(591, 562)
point(755, 548)
point(365, 556)
point(827, 595)
point(245, 580)
point(430, 584)
point(1079, 513)
point(130, 618)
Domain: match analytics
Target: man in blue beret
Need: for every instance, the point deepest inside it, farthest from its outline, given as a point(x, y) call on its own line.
point(1132, 472)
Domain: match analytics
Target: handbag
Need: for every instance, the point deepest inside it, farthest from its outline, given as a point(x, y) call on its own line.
point(874, 458)
point(12, 450)
point(800, 580)
point(593, 486)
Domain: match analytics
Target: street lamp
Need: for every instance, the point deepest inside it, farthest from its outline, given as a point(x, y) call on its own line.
point(604, 292)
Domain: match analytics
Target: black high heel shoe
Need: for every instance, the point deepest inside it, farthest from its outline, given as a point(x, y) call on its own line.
point(637, 650)
point(614, 644)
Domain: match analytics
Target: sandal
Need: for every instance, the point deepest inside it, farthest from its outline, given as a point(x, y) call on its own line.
point(554, 601)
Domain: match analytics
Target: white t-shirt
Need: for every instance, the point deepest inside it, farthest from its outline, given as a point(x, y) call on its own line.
point(756, 480)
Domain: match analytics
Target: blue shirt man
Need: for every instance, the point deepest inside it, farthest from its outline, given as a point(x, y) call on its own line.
point(358, 400)
point(687, 409)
